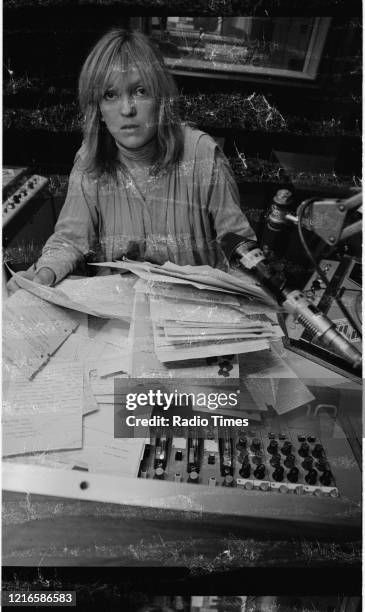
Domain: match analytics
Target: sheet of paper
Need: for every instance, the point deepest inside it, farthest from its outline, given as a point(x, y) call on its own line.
point(290, 393)
point(118, 308)
point(33, 330)
point(163, 308)
point(185, 292)
point(203, 277)
point(265, 364)
point(110, 295)
point(45, 413)
point(101, 452)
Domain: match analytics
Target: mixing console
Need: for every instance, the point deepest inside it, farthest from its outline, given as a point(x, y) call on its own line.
point(262, 460)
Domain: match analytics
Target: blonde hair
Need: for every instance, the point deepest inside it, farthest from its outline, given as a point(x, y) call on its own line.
point(123, 49)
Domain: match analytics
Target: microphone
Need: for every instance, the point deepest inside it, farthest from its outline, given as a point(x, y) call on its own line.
point(250, 257)
point(277, 225)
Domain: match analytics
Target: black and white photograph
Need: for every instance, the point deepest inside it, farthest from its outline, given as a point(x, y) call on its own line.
point(182, 299)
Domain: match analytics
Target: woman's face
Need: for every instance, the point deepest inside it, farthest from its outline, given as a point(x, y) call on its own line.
point(128, 110)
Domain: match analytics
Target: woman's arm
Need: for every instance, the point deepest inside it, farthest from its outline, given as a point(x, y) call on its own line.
point(75, 234)
point(218, 188)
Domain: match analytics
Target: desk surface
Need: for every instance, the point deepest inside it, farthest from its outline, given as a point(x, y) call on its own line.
point(39, 530)
point(43, 531)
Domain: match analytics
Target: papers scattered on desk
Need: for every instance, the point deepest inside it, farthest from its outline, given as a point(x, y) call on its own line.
point(201, 277)
point(45, 413)
point(272, 382)
point(101, 453)
point(33, 330)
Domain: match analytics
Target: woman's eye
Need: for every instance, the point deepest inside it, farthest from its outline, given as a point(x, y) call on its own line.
point(110, 95)
point(140, 91)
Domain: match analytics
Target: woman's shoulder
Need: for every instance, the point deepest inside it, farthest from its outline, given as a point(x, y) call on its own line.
point(80, 157)
point(198, 144)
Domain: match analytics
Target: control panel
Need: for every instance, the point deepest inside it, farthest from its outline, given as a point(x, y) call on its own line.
point(267, 461)
point(18, 200)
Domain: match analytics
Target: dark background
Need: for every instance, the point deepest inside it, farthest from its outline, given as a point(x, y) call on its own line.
point(46, 41)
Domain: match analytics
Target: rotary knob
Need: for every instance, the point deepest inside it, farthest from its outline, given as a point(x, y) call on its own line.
point(289, 461)
point(278, 473)
point(303, 449)
point(326, 478)
point(273, 447)
point(257, 459)
point(245, 470)
point(311, 477)
point(286, 448)
point(318, 451)
point(275, 460)
point(159, 473)
point(260, 471)
point(16, 198)
point(293, 475)
point(322, 464)
point(255, 446)
point(241, 444)
point(307, 463)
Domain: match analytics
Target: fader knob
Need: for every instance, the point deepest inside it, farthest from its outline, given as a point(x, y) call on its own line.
point(273, 447)
point(159, 473)
point(278, 473)
point(260, 471)
point(293, 475)
point(311, 477)
point(303, 449)
point(286, 448)
point(326, 478)
point(228, 480)
point(318, 452)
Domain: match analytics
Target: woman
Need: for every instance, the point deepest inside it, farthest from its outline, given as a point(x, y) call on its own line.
point(143, 185)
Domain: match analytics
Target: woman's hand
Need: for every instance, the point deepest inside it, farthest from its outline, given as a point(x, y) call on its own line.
point(44, 276)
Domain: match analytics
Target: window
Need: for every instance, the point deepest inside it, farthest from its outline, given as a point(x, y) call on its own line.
point(237, 46)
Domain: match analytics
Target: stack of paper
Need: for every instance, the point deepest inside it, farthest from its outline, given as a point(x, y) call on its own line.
point(188, 328)
point(201, 277)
